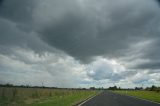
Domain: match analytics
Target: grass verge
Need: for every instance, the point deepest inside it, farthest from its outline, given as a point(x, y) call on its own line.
point(148, 95)
point(65, 100)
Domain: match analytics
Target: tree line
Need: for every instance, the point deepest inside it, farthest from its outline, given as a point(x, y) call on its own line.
point(152, 88)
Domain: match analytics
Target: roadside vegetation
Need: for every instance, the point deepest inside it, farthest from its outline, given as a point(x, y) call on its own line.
point(17, 96)
point(150, 93)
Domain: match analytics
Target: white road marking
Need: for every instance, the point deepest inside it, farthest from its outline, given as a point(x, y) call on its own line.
point(87, 100)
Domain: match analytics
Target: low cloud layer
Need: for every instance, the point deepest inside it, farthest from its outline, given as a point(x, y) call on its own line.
point(80, 43)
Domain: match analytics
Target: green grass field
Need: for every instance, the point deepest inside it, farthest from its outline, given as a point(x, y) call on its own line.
point(149, 95)
point(42, 97)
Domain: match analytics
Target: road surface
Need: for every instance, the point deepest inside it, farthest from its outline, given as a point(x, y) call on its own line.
point(111, 99)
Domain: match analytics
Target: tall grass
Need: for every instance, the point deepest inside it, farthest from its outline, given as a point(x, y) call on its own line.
point(28, 96)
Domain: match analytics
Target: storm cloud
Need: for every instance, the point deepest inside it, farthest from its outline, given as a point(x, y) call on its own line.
point(106, 29)
point(115, 41)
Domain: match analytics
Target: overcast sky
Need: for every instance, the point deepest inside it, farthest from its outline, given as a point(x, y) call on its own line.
point(80, 43)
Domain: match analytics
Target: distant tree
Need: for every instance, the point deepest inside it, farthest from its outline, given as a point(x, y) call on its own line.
point(9, 85)
point(83, 88)
point(113, 88)
point(92, 88)
point(138, 88)
point(153, 88)
point(119, 88)
point(147, 88)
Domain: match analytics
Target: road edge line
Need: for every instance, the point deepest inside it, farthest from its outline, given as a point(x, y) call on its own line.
point(83, 102)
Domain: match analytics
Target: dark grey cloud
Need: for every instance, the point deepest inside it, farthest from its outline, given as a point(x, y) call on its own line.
point(83, 31)
point(1, 1)
point(17, 10)
point(148, 56)
point(148, 65)
point(107, 31)
point(158, 1)
point(13, 37)
point(41, 35)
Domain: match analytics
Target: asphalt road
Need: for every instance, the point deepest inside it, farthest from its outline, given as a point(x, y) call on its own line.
point(111, 99)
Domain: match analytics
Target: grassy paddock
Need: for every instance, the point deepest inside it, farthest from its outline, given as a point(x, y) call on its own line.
point(149, 95)
point(42, 97)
